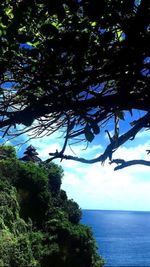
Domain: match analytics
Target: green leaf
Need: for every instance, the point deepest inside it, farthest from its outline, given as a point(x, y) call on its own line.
point(22, 30)
point(29, 43)
point(56, 25)
point(9, 12)
point(2, 26)
point(34, 44)
point(120, 35)
point(93, 24)
point(88, 133)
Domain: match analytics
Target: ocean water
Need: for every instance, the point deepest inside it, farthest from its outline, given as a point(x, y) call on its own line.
point(123, 237)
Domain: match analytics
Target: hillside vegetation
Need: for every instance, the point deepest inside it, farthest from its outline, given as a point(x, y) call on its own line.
point(39, 225)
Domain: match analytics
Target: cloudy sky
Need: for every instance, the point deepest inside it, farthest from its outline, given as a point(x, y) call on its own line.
point(100, 187)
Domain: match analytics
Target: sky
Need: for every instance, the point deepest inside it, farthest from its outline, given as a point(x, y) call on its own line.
point(94, 186)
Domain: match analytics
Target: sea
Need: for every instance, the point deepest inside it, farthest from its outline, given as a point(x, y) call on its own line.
point(123, 237)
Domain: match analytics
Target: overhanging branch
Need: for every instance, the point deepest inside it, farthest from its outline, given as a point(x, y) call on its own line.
point(111, 148)
point(123, 164)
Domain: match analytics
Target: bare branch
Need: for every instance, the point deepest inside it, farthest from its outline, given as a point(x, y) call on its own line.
point(123, 164)
point(111, 148)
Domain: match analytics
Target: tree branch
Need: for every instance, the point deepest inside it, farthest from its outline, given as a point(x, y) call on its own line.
point(111, 148)
point(123, 164)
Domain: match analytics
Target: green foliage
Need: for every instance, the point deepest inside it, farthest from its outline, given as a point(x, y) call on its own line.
point(73, 210)
point(70, 207)
point(31, 183)
point(7, 152)
point(8, 205)
point(32, 177)
point(15, 247)
point(9, 169)
point(77, 246)
point(55, 175)
point(39, 226)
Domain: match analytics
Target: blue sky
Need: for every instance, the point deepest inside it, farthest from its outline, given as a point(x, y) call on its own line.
point(100, 187)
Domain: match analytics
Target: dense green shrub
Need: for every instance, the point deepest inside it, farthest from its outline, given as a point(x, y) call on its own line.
point(33, 193)
point(31, 183)
point(55, 174)
point(15, 246)
point(76, 244)
point(7, 152)
point(39, 226)
point(73, 210)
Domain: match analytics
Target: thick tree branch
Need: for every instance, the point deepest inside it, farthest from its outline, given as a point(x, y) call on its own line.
point(123, 164)
point(45, 106)
point(111, 148)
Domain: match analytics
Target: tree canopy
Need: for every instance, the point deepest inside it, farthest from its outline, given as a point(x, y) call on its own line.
point(75, 65)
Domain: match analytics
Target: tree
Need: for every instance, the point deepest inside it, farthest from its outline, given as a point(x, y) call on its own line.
point(75, 65)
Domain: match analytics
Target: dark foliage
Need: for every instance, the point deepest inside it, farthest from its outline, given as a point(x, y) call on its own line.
point(74, 65)
point(34, 229)
point(55, 174)
point(74, 213)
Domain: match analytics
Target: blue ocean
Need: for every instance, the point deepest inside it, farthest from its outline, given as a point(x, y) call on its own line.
point(123, 237)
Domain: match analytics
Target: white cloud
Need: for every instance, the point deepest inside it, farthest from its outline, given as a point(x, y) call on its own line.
point(126, 153)
point(46, 145)
point(82, 149)
point(100, 187)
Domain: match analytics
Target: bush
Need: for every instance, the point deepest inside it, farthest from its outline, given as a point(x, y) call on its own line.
point(31, 183)
point(55, 174)
point(73, 211)
point(76, 244)
point(39, 226)
point(7, 152)
point(15, 246)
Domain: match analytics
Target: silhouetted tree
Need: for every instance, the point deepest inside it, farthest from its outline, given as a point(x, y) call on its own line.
point(75, 65)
